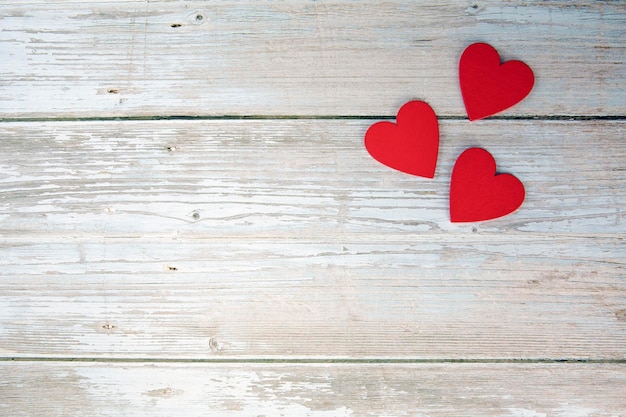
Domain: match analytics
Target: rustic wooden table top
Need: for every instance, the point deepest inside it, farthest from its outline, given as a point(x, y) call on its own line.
point(190, 224)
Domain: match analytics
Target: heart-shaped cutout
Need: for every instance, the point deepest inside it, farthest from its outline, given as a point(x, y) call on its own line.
point(489, 87)
point(477, 193)
point(410, 145)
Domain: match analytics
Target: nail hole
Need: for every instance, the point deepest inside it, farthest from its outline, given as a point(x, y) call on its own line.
point(213, 345)
point(195, 215)
point(197, 18)
point(474, 230)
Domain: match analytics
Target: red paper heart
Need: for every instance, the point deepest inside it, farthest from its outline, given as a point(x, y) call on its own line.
point(410, 145)
point(489, 87)
point(477, 193)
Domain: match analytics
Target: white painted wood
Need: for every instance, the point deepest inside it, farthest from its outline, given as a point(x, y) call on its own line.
point(515, 390)
point(294, 178)
point(230, 240)
point(303, 245)
point(299, 298)
point(120, 58)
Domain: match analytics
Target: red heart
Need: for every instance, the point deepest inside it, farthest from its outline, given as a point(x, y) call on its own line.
point(489, 87)
point(410, 145)
point(477, 193)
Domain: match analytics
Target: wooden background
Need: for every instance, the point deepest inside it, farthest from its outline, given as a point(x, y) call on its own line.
point(190, 224)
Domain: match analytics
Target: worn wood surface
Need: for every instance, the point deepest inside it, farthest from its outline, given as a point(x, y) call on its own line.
point(284, 238)
point(326, 390)
point(120, 58)
point(267, 265)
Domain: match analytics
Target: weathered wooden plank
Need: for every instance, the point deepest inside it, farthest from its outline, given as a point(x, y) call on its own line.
point(303, 246)
point(75, 389)
point(420, 298)
point(294, 178)
point(121, 58)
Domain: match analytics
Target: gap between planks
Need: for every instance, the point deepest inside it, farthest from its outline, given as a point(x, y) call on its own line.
point(297, 117)
point(317, 361)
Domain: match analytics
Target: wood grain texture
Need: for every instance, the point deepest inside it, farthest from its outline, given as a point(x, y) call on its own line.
point(68, 389)
point(299, 298)
point(121, 58)
point(266, 265)
point(197, 239)
point(294, 178)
